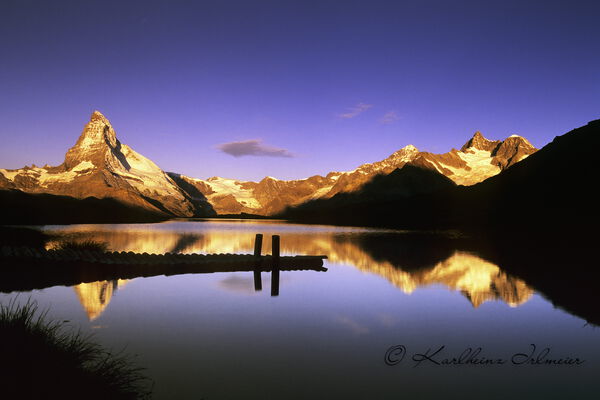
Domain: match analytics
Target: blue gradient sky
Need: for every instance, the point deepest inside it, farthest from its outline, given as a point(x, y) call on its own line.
point(177, 79)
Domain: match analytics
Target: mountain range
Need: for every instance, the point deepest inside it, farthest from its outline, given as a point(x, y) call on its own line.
point(477, 160)
point(549, 192)
point(100, 166)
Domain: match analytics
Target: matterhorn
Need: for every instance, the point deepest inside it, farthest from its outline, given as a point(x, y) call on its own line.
point(99, 165)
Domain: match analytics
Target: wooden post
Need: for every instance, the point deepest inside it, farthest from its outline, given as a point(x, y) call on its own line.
point(275, 266)
point(258, 244)
point(257, 251)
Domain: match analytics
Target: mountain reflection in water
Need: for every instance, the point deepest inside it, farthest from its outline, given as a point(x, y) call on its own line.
point(95, 296)
point(406, 262)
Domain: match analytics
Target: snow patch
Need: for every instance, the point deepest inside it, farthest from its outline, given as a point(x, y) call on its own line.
point(82, 166)
point(10, 175)
point(480, 162)
point(223, 186)
point(321, 192)
point(45, 178)
point(143, 174)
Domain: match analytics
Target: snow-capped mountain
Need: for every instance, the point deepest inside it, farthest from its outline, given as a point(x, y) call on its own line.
point(477, 160)
point(99, 165)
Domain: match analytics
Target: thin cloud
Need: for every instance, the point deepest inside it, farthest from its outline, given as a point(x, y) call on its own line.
point(253, 147)
point(389, 117)
point(355, 111)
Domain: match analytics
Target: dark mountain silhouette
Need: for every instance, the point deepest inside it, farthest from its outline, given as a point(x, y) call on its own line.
point(405, 182)
point(551, 188)
point(375, 201)
point(17, 207)
point(380, 204)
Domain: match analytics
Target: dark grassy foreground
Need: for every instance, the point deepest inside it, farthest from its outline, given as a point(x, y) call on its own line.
point(43, 359)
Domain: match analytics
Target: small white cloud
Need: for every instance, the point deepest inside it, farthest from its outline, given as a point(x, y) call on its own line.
point(355, 111)
point(389, 117)
point(253, 147)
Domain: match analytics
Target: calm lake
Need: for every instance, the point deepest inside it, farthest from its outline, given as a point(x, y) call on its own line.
point(327, 334)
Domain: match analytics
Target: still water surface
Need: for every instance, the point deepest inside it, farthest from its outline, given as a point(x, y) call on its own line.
point(326, 335)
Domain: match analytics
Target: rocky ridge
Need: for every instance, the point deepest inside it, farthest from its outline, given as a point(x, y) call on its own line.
point(476, 161)
point(99, 165)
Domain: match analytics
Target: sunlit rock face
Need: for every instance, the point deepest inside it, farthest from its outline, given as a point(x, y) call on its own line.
point(477, 279)
point(95, 296)
point(476, 161)
point(99, 165)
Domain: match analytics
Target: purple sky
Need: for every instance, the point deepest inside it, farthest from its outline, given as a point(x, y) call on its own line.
point(307, 87)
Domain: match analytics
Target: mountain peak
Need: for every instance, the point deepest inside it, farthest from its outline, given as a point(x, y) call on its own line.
point(98, 116)
point(98, 136)
point(520, 140)
point(406, 150)
point(404, 155)
point(479, 138)
point(479, 142)
point(98, 131)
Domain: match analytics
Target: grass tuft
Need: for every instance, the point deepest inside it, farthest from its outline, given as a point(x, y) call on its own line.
point(43, 359)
